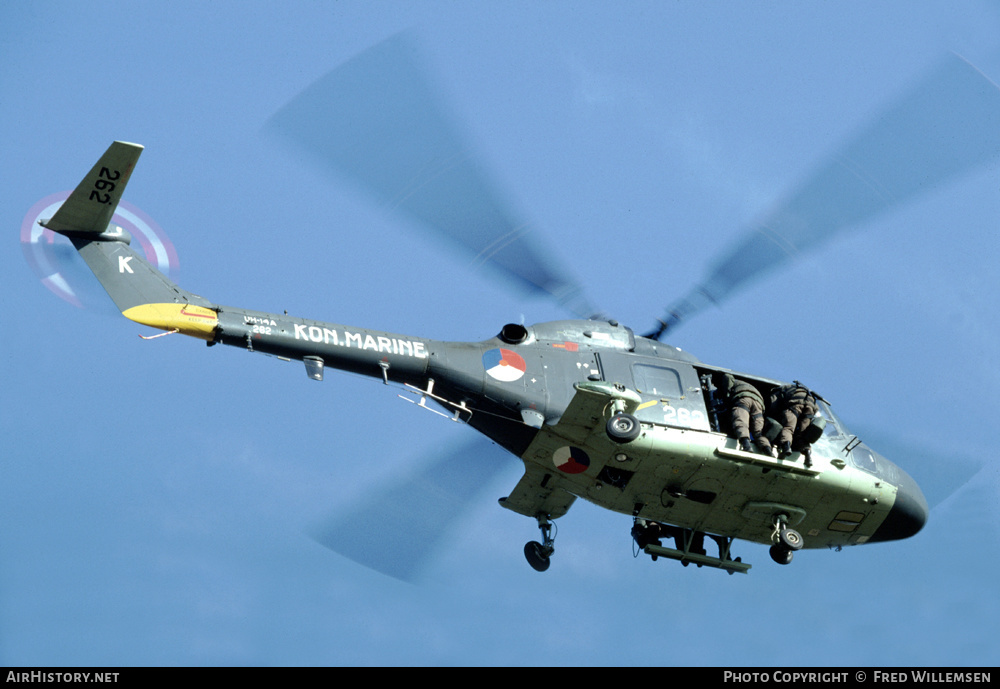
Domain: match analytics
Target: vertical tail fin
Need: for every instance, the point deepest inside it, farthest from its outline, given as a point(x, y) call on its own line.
point(141, 292)
point(92, 204)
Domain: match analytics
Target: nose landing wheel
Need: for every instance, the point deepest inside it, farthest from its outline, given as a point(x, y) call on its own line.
point(786, 541)
point(781, 554)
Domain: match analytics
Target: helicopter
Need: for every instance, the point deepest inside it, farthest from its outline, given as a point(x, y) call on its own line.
point(592, 409)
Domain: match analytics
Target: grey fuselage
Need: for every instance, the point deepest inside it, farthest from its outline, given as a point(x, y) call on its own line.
point(683, 470)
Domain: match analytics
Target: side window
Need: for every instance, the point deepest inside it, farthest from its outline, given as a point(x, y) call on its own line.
point(657, 380)
point(863, 458)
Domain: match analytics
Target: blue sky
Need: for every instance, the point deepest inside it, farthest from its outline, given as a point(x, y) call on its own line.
point(156, 494)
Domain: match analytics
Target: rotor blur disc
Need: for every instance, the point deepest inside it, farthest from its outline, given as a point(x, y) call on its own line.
point(53, 259)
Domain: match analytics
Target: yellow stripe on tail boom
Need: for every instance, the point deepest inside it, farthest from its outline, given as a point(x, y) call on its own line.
point(187, 319)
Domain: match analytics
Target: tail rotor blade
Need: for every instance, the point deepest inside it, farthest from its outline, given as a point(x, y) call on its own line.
point(56, 263)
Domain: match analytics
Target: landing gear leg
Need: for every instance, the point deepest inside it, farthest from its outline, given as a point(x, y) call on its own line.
point(786, 540)
point(538, 554)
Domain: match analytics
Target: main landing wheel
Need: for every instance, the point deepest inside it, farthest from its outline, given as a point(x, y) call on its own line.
point(623, 428)
point(537, 555)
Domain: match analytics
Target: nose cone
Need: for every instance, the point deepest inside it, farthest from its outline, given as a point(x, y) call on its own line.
point(908, 514)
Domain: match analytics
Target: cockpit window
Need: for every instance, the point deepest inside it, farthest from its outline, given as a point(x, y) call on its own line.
point(834, 427)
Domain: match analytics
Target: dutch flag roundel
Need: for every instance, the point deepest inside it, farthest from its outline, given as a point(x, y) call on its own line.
point(571, 460)
point(504, 365)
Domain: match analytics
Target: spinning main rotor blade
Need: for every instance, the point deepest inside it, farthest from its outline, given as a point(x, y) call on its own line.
point(376, 120)
point(397, 531)
point(946, 125)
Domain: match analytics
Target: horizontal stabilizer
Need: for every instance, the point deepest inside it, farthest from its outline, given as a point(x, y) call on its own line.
point(538, 495)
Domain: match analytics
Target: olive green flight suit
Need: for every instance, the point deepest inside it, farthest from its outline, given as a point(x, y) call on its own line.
point(746, 411)
point(794, 407)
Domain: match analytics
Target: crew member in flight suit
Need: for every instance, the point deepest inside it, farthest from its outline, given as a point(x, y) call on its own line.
point(746, 411)
point(793, 406)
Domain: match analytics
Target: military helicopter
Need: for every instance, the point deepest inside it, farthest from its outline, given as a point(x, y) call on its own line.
point(593, 410)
